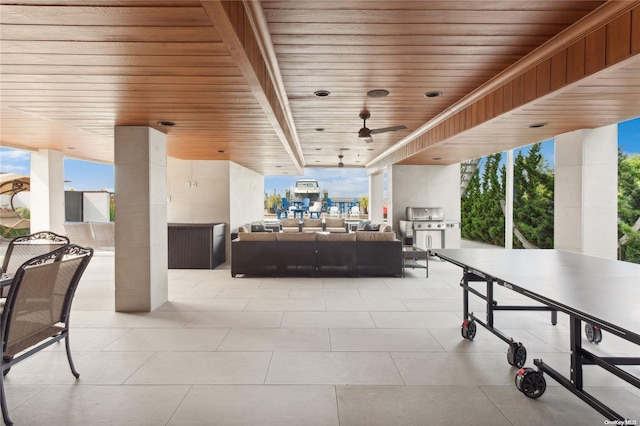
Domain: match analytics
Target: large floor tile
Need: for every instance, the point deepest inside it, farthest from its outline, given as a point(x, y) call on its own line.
point(203, 368)
point(281, 305)
point(100, 368)
point(438, 369)
point(169, 339)
point(414, 319)
point(395, 293)
point(313, 293)
point(236, 319)
point(327, 320)
point(101, 405)
point(156, 319)
point(354, 368)
point(276, 339)
point(416, 405)
point(382, 339)
point(186, 304)
point(365, 305)
point(557, 406)
point(258, 405)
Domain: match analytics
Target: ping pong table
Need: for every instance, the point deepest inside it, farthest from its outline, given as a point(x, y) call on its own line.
point(604, 294)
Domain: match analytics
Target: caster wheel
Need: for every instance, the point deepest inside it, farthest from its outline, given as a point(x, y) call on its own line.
point(593, 333)
point(516, 354)
point(530, 382)
point(468, 329)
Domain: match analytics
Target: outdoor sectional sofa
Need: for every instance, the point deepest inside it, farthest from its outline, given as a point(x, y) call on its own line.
point(362, 253)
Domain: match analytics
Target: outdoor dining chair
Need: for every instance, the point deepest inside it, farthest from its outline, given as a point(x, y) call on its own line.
point(26, 247)
point(36, 312)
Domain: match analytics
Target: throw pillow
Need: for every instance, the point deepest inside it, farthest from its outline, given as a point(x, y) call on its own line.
point(363, 224)
point(258, 227)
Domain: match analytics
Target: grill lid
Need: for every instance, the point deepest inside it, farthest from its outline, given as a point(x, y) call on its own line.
point(424, 214)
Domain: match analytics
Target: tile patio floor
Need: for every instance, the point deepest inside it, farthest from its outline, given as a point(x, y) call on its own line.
point(300, 351)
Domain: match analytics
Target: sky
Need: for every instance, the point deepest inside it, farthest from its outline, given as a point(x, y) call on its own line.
point(340, 183)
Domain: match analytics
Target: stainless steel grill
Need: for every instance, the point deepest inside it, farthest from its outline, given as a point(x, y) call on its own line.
point(425, 227)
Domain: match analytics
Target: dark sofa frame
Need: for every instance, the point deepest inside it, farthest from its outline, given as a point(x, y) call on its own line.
point(316, 258)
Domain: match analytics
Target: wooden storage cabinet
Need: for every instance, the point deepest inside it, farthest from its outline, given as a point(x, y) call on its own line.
point(196, 245)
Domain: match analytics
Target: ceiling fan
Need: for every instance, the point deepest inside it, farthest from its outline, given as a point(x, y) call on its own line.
point(365, 133)
point(340, 163)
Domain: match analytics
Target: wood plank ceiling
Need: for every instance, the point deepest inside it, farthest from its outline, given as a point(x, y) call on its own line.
point(238, 78)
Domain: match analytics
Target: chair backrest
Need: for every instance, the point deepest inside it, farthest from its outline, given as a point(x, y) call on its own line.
point(285, 203)
point(317, 206)
point(334, 210)
point(23, 248)
point(329, 203)
point(40, 297)
point(306, 202)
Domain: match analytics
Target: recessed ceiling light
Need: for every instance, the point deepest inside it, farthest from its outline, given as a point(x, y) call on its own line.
point(378, 93)
point(433, 94)
point(166, 123)
point(318, 149)
point(322, 93)
point(319, 129)
point(437, 158)
point(356, 161)
point(317, 161)
point(537, 125)
point(369, 149)
point(278, 167)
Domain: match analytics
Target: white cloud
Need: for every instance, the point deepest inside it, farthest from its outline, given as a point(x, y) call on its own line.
point(14, 161)
point(14, 155)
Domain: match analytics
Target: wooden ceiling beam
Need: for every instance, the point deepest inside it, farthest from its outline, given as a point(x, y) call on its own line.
point(233, 23)
point(510, 90)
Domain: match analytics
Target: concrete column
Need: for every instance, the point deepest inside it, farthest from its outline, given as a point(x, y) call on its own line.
point(47, 191)
point(141, 255)
point(586, 188)
point(376, 198)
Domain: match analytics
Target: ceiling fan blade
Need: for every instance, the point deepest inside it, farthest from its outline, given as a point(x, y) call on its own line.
point(387, 129)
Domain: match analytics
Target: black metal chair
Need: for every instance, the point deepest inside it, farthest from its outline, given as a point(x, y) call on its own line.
point(23, 248)
point(36, 312)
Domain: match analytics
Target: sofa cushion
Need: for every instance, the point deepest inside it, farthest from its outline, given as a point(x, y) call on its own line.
point(289, 223)
point(385, 228)
point(336, 237)
point(312, 223)
point(375, 236)
point(334, 223)
point(257, 236)
point(297, 236)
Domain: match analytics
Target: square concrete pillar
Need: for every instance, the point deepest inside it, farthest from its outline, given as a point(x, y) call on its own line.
point(376, 198)
point(141, 254)
point(47, 191)
point(586, 192)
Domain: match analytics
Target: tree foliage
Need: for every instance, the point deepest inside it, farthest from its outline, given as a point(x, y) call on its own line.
point(482, 215)
point(629, 205)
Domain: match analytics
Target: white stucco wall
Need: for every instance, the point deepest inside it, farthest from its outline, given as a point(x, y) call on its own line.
point(95, 206)
point(207, 191)
point(426, 186)
point(247, 200)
